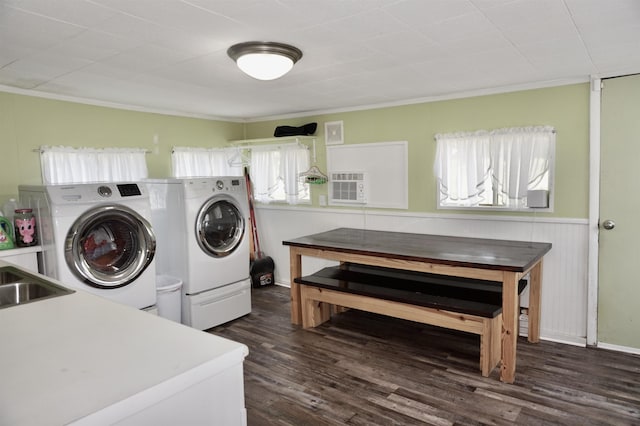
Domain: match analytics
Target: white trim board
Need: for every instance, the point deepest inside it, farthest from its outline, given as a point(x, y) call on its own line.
point(473, 217)
point(594, 210)
point(618, 348)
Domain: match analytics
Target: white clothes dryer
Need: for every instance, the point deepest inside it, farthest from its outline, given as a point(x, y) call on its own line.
point(217, 287)
point(98, 238)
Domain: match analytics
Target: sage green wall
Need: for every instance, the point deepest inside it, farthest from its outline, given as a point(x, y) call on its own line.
point(566, 108)
point(28, 122)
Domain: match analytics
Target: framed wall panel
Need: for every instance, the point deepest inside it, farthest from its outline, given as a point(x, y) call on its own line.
point(386, 168)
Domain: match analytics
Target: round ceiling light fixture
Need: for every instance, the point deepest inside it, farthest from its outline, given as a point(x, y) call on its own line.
point(264, 60)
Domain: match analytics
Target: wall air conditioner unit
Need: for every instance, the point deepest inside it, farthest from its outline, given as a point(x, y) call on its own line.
point(348, 188)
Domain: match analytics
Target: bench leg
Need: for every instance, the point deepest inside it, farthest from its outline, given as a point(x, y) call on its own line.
point(340, 309)
point(314, 312)
point(490, 341)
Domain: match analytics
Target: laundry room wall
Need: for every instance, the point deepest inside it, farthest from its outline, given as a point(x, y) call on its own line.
point(566, 108)
point(28, 122)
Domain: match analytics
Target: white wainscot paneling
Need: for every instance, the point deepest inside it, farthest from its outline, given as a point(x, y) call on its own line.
point(564, 279)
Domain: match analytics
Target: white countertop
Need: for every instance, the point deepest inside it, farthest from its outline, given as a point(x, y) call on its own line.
point(81, 358)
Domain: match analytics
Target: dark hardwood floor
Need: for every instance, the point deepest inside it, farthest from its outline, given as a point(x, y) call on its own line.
point(366, 369)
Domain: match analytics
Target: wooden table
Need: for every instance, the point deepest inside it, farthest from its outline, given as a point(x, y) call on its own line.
point(495, 260)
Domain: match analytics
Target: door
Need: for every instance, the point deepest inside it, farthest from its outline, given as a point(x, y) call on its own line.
point(109, 247)
point(219, 226)
point(619, 235)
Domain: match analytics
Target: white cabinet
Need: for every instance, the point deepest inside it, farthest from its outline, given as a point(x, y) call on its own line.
point(27, 257)
point(85, 360)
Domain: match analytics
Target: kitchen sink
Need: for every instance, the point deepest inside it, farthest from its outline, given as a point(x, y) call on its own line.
point(18, 287)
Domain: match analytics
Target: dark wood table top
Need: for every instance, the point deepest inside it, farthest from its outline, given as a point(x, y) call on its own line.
point(506, 255)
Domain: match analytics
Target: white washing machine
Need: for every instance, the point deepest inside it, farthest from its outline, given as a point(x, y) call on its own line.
point(98, 238)
point(212, 259)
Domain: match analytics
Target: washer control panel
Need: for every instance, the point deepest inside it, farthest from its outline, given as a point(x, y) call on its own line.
point(228, 185)
point(95, 192)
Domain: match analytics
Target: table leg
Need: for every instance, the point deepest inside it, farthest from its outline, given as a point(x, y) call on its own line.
point(535, 287)
point(510, 310)
point(295, 271)
point(340, 309)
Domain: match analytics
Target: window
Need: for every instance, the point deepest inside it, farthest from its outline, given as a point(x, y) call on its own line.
point(495, 169)
point(275, 174)
point(275, 169)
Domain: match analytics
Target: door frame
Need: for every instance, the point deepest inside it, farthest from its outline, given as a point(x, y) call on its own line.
point(595, 99)
point(595, 104)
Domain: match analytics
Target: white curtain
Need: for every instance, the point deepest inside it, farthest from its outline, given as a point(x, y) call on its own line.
point(462, 164)
point(275, 173)
point(517, 159)
point(61, 165)
point(293, 161)
point(198, 162)
point(265, 173)
point(520, 157)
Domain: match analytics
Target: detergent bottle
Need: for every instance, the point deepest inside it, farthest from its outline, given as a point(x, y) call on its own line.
point(6, 238)
point(9, 208)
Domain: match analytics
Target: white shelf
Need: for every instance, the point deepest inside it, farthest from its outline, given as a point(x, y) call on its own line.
point(19, 251)
point(26, 257)
point(275, 140)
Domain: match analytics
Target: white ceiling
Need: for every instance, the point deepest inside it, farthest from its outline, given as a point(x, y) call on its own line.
point(170, 55)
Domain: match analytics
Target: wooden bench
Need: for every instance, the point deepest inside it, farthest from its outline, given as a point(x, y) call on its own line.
point(463, 304)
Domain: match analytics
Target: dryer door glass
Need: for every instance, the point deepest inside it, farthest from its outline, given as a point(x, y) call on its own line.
point(219, 226)
point(110, 246)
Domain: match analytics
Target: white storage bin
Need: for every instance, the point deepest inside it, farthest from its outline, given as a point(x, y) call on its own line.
point(169, 297)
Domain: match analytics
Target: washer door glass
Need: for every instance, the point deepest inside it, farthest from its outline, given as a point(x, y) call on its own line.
point(109, 246)
point(219, 226)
